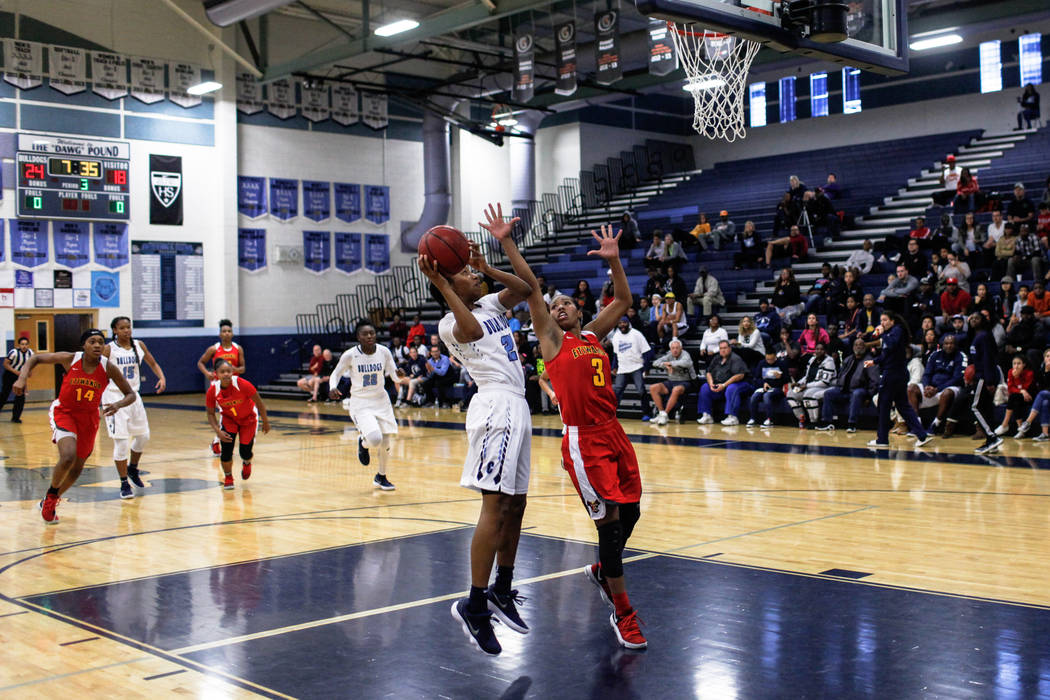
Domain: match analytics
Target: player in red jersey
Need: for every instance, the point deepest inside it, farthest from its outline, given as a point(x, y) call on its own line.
point(595, 450)
point(241, 409)
point(74, 414)
point(227, 350)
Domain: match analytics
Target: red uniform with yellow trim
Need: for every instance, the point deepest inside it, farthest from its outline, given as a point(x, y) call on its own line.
point(76, 408)
point(595, 450)
point(231, 354)
point(237, 409)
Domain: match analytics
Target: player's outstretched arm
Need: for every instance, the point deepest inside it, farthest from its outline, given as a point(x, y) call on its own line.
point(240, 367)
point(466, 329)
point(264, 419)
point(155, 366)
point(519, 285)
point(40, 358)
point(610, 315)
point(202, 364)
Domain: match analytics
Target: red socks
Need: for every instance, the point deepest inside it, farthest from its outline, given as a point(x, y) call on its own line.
point(622, 604)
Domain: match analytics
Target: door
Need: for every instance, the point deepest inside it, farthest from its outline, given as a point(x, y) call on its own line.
point(50, 331)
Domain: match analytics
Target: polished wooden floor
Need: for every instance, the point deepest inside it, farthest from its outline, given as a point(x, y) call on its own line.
point(942, 521)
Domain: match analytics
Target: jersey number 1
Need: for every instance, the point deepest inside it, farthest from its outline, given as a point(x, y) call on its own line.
point(599, 375)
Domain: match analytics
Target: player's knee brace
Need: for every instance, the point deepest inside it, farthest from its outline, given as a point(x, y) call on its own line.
point(227, 450)
point(139, 442)
point(120, 449)
point(246, 451)
point(372, 438)
point(610, 547)
point(629, 514)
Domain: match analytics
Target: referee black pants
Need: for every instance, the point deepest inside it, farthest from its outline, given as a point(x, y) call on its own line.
point(20, 401)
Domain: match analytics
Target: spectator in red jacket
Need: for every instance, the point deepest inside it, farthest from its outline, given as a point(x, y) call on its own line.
point(1019, 382)
point(921, 231)
point(954, 300)
point(966, 192)
point(417, 330)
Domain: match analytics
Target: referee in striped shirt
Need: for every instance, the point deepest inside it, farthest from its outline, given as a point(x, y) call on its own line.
point(13, 363)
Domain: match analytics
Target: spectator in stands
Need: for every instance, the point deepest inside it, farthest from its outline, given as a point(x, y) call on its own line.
point(1042, 222)
point(1019, 383)
point(805, 394)
point(811, 336)
point(767, 321)
point(789, 351)
point(750, 248)
point(769, 376)
point(942, 379)
point(655, 254)
point(312, 381)
point(1027, 252)
point(1005, 299)
point(584, 299)
point(398, 349)
point(630, 348)
point(414, 369)
point(959, 330)
point(815, 296)
point(440, 377)
point(513, 323)
point(822, 215)
point(831, 187)
point(956, 269)
point(796, 245)
point(849, 329)
point(856, 382)
point(655, 283)
point(849, 287)
point(748, 342)
point(787, 297)
point(672, 322)
point(1025, 334)
point(1046, 192)
point(1029, 106)
point(674, 255)
point(970, 240)
point(1040, 410)
point(983, 301)
point(726, 379)
point(706, 293)
point(786, 215)
point(945, 233)
point(630, 236)
point(674, 283)
point(680, 375)
point(656, 312)
point(861, 259)
point(549, 290)
point(796, 188)
point(724, 230)
point(868, 315)
point(1020, 210)
point(416, 331)
point(1004, 248)
point(949, 182)
point(714, 335)
point(966, 192)
point(915, 260)
point(920, 231)
point(897, 294)
point(996, 228)
point(702, 231)
point(397, 327)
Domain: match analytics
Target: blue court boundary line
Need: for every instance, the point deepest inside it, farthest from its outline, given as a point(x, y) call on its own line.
point(908, 453)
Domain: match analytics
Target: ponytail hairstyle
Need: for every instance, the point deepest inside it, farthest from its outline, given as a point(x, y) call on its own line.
point(898, 320)
point(113, 328)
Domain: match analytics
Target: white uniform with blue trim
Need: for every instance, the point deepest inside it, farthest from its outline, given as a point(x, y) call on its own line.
point(368, 400)
point(129, 421)
point(499, 424)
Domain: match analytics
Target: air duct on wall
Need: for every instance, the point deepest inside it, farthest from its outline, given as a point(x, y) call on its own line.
point(437, 199)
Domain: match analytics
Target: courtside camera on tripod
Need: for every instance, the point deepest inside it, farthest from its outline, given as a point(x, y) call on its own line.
point(822, 21)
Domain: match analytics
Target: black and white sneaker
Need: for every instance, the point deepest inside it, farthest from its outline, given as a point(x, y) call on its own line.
point(505, 608)
point(851, 427)
point(382, 482)
point(926, 440)
point(992, 445)
point(125, 490)
point(133, 474)
point(825, 427)
point(362, 452)
point(478, 628)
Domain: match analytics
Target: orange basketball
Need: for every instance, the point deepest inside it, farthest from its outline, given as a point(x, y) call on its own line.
point(447, 247)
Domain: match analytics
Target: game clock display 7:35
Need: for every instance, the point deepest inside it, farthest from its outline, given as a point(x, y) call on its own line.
point(71, 178)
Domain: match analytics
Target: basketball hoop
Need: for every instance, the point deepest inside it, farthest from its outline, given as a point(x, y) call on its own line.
point(716, 67)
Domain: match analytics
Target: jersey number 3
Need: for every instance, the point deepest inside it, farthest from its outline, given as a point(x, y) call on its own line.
point(599, 374)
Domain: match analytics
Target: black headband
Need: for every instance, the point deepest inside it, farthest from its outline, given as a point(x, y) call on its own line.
point(90, 332)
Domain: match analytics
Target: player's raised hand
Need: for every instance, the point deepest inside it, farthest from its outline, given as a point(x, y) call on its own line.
point(495, 225)
point(477, 260)
point(609, 245)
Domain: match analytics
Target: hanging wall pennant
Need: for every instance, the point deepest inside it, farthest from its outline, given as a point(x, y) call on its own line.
point(347, 202)
point(68, 69)
point(111, 244)
point(109, 75)
point(182, 76)
point(347, 252)
point(377, 207)
point(607, 47)
point(284, 199)
point(374, 110)
point(165, 190)
point(251, 248)
point(23, 63)
point(377, 252)
point(317, 251)
point(281, 98)
point(565, 55)
point(524, 71)
point(249, 94)
point(662, 58)
point(251, 196)
point(29, 242)
point(317, 200)
point(315, 105)
point(344, 105)
point(147, 80)
point(72, 243)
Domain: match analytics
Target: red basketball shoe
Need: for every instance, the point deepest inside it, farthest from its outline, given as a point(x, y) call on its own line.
point(246, 470)
point(628, 631)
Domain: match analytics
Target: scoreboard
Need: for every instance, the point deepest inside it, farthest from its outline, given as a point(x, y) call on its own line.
point(70, 178)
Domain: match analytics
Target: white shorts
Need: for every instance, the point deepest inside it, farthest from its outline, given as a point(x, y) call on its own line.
point(366, 413)
point(128, 421)
point(499, 436)
point(936, 398)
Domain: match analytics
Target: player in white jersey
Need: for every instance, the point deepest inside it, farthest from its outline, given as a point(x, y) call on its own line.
point(128, 427)
point(499, 429)
point(361, 371)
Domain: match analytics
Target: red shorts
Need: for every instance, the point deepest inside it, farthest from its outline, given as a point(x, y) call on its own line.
point(84, 426)
point(244, 429)
point(601, 462)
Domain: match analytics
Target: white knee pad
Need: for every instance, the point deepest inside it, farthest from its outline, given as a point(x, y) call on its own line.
point(120, 449)
point(372, 438)
point(139, 442)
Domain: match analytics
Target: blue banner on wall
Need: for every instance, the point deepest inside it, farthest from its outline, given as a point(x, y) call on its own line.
point(284, 198)
point(347, 252)
point(377, 252)
point(72, 243)
point(347, 202)
point(23, 279)
point(28, 242)
point(3, 239)
point(111, 245)
point(317, 200)
point(251, 196)
point(105, 288)
point(317, 250)
point(377, 203)
point(251, 248)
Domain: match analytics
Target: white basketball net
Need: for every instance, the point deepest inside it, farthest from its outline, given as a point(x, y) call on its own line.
point(716, 67)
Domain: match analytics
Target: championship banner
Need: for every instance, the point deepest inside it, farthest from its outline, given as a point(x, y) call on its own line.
point(165, 190)
point(662, 58)
point(377, 203)
point(72, 243)
point(374, 110)
point(28, 242)
point(109, 75)
point(377, 252)
point(347, 202)
point(23, 63)
point(344, 105)
point(249, 94)
point(317, 200)
point(105, 288)
point(565, 56)
point(317, 251)
point(251, 196)
point(315, 106)
point(284, 198)
point(111, 244)
point(251, 248)
point(281, 98)
point(347, 252)
point(524, 69)
point(607, 47)
point(147, 80)
point(182, 76)
point(68, 69)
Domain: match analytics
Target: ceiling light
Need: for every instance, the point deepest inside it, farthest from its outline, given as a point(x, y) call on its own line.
point(204, 88)
point(402, 25)
point(705, 83)
point(935, 41)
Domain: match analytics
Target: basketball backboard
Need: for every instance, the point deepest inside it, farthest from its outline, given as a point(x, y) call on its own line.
point(877, 29)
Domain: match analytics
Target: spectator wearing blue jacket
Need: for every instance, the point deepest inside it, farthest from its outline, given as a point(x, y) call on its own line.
point(769, 377)
point(941, 381)
point(440, 377)
point(767, 321)
point(892, 337)
point(856, 382)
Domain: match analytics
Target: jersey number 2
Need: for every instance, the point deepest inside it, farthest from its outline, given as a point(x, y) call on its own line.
point(508, 345)
point(599, 375)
